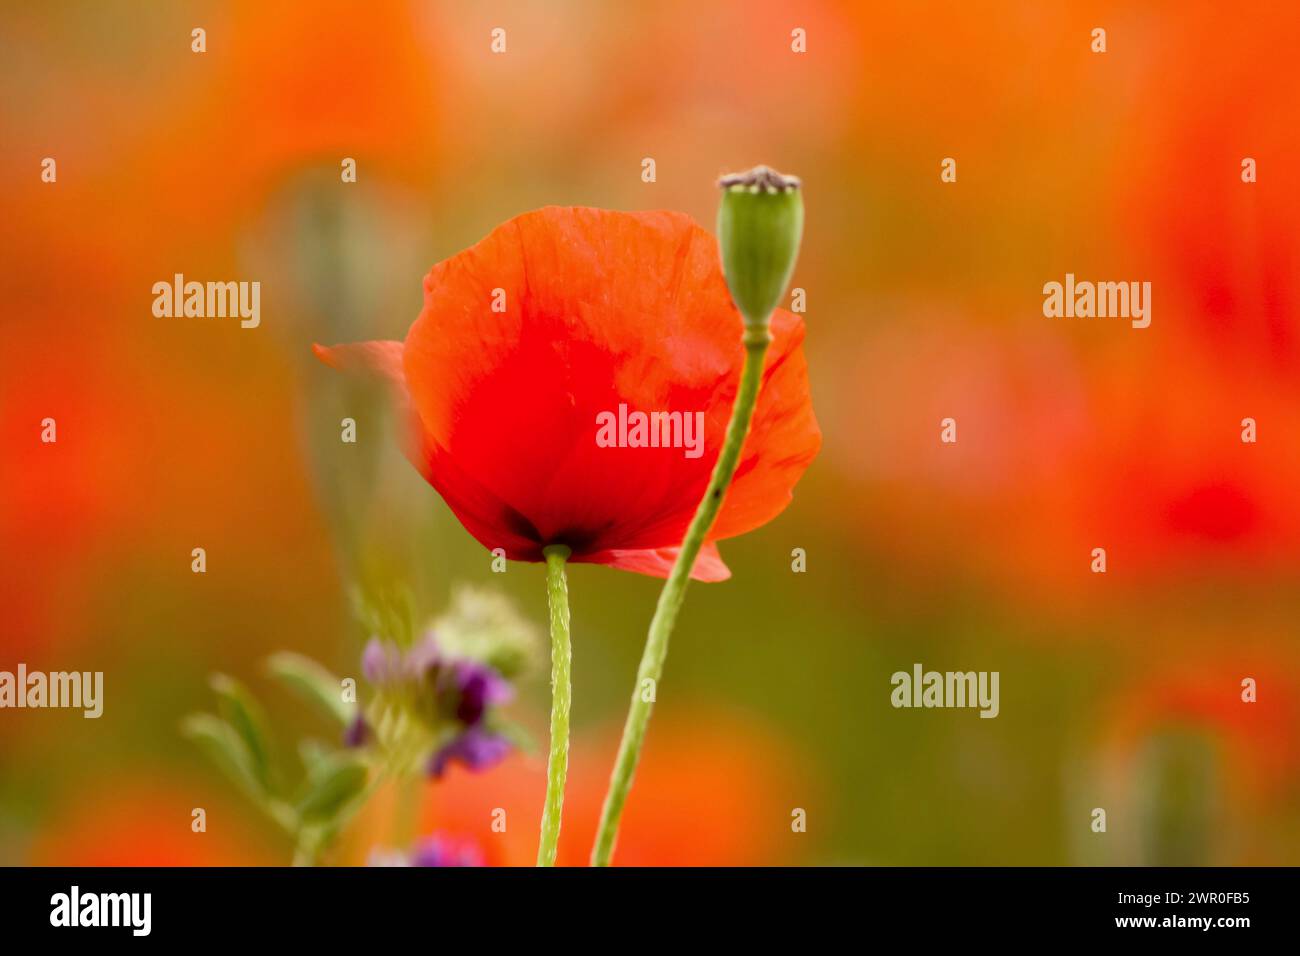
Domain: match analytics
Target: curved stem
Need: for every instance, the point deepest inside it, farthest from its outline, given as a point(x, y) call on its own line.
point(756, 341)
point(557, 765)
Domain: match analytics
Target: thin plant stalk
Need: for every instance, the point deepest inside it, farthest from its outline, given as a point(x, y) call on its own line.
point(557, 764)
point(756, 340)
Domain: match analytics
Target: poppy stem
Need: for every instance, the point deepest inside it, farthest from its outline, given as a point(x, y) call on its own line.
point(756, 340)
point(557, 765)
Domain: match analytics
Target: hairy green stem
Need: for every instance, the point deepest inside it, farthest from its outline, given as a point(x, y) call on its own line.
point(557, 765)
point(756, 340)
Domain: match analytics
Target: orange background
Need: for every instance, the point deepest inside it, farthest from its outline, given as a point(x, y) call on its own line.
point(924, 302)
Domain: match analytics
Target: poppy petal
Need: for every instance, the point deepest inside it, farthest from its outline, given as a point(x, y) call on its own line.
point(493, 523)
point(658, 562)
point(380, 359)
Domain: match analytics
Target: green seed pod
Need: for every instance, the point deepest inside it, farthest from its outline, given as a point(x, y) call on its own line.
point(760, 223)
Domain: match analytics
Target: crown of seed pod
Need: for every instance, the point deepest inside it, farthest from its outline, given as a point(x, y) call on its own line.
point(760, 223)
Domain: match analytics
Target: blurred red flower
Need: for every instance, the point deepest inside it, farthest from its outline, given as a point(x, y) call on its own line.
point(130, 823)
point(1198, 757)
point(594, 310)
point(1258, 735)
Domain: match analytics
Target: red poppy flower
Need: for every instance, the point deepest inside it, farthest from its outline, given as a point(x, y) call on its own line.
point(601, 309)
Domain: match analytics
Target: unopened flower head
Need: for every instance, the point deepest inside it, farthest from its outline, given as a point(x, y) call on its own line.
point(760, 224)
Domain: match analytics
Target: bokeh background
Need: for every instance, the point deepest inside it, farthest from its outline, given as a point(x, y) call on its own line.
point(924, 301)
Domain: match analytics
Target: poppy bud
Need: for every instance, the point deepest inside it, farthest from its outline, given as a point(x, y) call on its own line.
point(760, 222)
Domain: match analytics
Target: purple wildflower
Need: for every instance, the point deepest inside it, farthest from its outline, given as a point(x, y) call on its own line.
point(451, 697)
point(480, 687)
point(424, 658)
point(357, 733)
point(440, 850)
point(475, 748)
point(381, 663)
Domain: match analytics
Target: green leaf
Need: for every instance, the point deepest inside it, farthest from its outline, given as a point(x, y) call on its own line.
point(244, 714)
point(331, 786)
point(313, 753)
point(224, 745)
point(313, 683)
